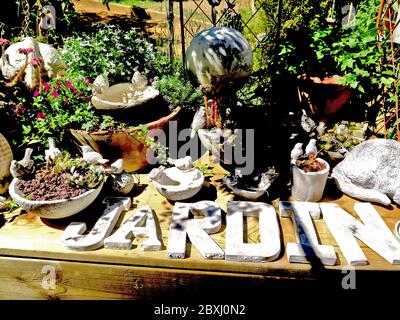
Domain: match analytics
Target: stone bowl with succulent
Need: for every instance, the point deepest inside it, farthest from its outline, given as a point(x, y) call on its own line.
point(59, 188)
point(337, 141)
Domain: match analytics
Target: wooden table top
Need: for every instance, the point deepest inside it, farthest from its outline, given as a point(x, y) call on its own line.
point(28, 236)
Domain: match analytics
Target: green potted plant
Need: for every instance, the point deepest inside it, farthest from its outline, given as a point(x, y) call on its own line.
point(58, 189)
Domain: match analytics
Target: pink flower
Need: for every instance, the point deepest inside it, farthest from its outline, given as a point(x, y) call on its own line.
point(59, 85)
point(40, 115)
point(26, 51)
point(4, 41)
point(46, 86)
point(74, 90)
point(55, 93)
point(19, 109)
point(87, 80)
point(60, 75)
point(68, 84)
point(36, 61)
point(36, 93)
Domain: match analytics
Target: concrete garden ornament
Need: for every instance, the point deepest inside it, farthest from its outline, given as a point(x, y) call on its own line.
point(18, 59)
point(57, 189)
point(371, 172)
point(177, 183)
point(122, 95)
point(309, 173)
point(250, 187)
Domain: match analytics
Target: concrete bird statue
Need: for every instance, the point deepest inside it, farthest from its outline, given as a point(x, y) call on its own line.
point(311, 148)
point(296, 152)
point(91, 156)
point(117, 167)
point(199, 121)
point(185, 163)
point(52, 152)
point(24, 167)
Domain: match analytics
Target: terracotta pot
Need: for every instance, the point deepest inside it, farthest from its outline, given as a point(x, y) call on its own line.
point(309, 186)
point(122, 144)
point(325, 96)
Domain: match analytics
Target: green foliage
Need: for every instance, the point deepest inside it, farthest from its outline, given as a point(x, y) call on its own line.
point(58, 105)
point(178, 91)
point(109, 50)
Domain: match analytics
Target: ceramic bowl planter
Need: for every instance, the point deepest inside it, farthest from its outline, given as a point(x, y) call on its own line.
point(176, 184)
point(54, 209)
point(123, 144)
point(309, 186)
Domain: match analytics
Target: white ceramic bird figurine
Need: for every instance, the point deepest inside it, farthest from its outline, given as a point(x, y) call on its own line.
point(123, 183)
point(139, 80)
point(185, 163)
point(155, 173)
point(8, 71)
point(115, 168)
point(100, 83)
point(91, 156)
point(296, 152)
point(311, 148)
point(199, 121)
point(307, 123)
point(321, 128)
point(24, 167)
point(52, 152)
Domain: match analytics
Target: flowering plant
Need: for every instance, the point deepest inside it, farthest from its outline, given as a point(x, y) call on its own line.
point(56, 106)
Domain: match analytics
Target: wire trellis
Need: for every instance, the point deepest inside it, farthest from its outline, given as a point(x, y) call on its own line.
point(248, 16)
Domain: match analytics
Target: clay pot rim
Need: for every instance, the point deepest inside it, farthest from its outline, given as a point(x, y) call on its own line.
point(150, 125)
point(318, 173)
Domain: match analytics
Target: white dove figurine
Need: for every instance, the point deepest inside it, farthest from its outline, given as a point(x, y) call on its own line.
point(91, 156)
point(139, 80)
point(24, 167)
point(185, 163)
point(296, 152)
point(199, 121)
point(311, 148)
point(115, 168)
point(100, 83)
point(52, 152)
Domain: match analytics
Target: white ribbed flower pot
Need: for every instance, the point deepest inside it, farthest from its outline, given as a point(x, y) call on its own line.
point(309, 186)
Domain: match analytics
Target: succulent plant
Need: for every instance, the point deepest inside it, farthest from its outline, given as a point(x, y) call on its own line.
point(78, 172)
point(343, 136)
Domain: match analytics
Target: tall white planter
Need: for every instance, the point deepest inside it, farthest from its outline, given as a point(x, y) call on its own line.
point(309, 186)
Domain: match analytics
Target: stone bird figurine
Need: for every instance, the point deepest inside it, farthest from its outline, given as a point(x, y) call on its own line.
point(185, 163)
point(91, 156)
point(100, 83)
point(311, 148)
point(24, 167)
point(52, 152)
point(296, 152)
point(199, 121)
point(115, 168)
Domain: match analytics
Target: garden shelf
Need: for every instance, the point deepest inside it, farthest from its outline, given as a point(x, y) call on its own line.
point(28, 244)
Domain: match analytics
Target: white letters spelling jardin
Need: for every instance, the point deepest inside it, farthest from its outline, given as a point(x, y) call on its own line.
point(345, 229)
